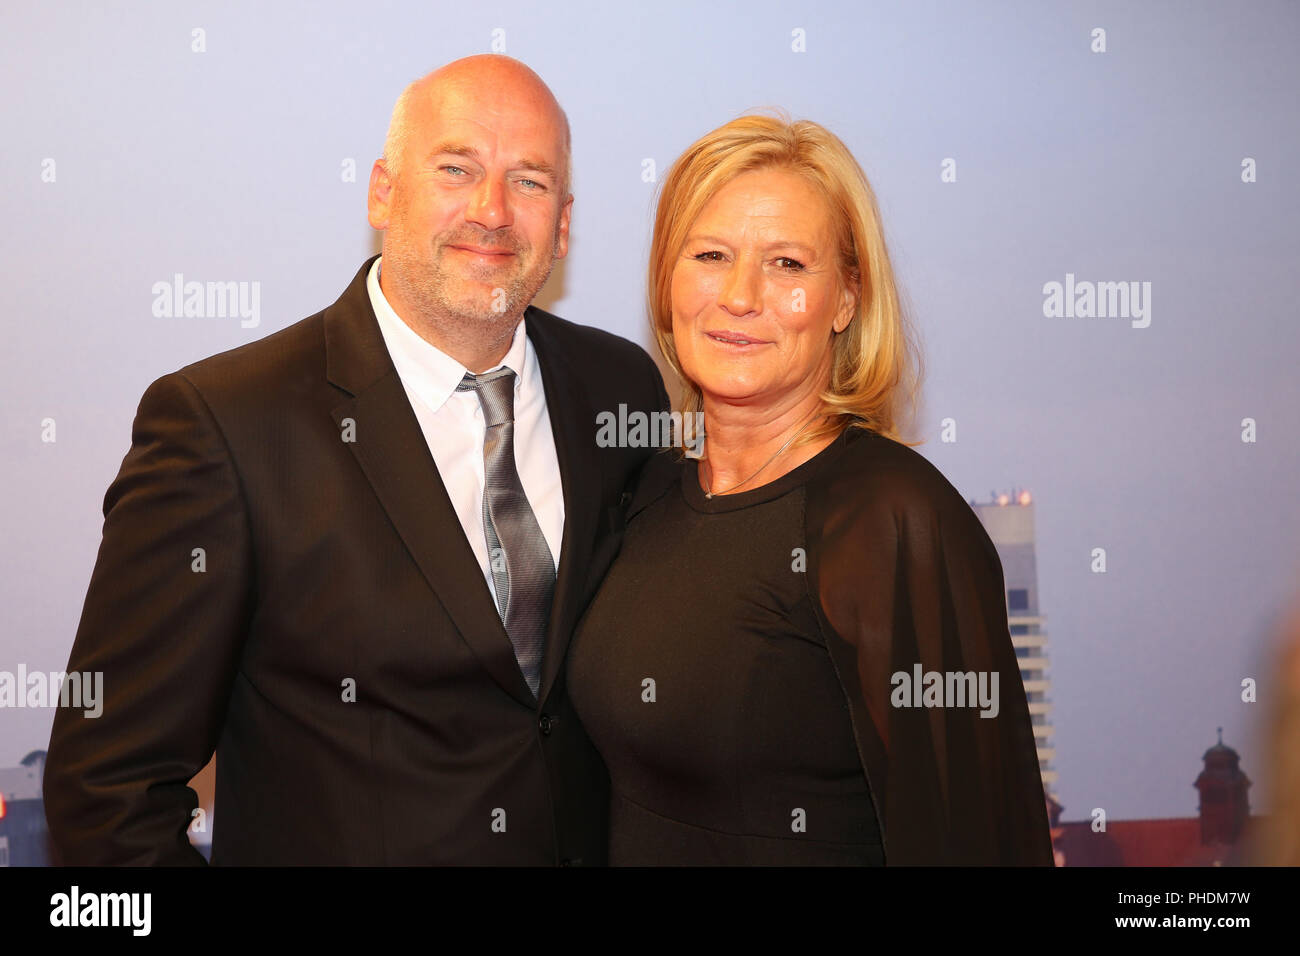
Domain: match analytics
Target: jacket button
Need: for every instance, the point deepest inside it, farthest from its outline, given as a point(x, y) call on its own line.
point(545, 724)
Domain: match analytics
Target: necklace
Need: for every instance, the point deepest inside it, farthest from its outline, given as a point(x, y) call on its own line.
point(789, 442)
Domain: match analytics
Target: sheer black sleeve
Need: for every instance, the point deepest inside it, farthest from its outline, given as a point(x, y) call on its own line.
point(904, 575)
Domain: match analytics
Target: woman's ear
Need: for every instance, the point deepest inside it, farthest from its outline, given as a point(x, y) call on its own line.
point(848, 305)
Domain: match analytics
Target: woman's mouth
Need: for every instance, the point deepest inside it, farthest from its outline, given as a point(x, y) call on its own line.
point(736, 339)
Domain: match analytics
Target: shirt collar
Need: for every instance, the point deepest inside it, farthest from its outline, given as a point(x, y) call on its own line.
point(426, 369)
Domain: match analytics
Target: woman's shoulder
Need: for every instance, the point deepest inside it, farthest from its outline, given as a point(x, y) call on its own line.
point(874, 468)
point(878, 483)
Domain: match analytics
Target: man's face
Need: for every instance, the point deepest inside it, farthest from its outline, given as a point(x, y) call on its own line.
point(477, 215)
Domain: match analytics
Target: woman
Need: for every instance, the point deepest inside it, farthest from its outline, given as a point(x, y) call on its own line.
point(746, 669)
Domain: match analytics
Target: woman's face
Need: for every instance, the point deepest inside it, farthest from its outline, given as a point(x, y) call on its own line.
point(756, 292)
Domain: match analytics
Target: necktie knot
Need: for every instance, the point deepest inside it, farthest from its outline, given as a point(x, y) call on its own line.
point(496, 394)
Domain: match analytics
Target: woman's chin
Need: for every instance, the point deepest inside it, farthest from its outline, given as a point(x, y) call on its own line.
point(731, 392)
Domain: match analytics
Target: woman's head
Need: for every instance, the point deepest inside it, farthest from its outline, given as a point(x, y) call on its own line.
point(770, 282)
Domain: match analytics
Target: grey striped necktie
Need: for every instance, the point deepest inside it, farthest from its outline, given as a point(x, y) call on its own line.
point(522, 569)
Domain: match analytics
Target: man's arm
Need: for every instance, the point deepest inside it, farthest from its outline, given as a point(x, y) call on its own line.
point(657, 386)
point(164, 621)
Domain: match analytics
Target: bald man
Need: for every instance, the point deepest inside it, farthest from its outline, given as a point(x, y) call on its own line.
point(347, 558)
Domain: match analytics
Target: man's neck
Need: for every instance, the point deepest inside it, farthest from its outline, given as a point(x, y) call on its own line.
point(477, 356)
point(476, 344)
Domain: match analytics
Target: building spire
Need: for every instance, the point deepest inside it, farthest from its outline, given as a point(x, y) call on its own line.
point(1222, 787)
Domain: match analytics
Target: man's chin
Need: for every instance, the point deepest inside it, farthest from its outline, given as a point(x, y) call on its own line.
point(482, 304)
point(480, 315)
point(488, 299)
point(474, 298)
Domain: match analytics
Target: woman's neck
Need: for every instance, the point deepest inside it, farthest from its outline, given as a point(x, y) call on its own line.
point(742, 441)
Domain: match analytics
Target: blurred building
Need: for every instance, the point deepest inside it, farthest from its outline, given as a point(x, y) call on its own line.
point(1009, 521)
point(24, 838)
point(1219, 836)
point(24, 834)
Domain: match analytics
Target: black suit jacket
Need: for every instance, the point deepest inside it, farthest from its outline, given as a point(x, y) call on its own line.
point(334, 640)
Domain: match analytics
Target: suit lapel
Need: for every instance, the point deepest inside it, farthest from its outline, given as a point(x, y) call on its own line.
point(392, 452)
point(573, 425)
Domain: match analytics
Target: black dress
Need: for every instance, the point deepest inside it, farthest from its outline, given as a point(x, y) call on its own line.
point(734, 672)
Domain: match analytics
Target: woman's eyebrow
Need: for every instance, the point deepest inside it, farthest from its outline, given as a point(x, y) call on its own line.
point(774, 244)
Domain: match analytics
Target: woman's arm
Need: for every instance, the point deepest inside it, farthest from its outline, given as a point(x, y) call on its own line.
point(910, 592)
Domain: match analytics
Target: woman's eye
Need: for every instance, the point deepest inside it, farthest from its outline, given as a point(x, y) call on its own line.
point(793, 265)
point(705, 256)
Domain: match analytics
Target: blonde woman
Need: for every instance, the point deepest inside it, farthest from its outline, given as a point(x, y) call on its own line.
point(756, 670)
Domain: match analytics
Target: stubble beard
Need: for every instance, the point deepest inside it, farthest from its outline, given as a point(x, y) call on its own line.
point(474, 306)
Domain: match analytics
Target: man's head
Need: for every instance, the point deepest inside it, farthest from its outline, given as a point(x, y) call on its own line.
point(473, 196)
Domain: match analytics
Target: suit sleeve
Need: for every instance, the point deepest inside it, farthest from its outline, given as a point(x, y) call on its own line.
point(662, 402)
point(163, 621)
point(911, 584)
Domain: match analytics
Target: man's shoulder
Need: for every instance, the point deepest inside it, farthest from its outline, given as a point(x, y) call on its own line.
point(292, 357)
point(609, 370)
point(290, 350)
point(583, 341)
point(280, 370)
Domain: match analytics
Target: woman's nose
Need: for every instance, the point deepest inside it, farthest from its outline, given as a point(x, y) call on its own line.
point(741, 292)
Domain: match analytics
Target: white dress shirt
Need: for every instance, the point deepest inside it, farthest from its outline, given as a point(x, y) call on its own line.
point(453, 426)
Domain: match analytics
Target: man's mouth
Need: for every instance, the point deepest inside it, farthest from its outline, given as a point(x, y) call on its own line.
point(483, 251)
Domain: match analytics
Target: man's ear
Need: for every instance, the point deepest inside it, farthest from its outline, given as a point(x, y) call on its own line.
point(379, 197)
point(848, 305)
point(562, 231)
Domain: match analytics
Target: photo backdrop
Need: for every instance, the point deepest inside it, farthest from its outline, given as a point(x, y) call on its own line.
point(1141, 149)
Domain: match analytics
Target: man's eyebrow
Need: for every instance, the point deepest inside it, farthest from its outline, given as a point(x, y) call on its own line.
point(536, 166)
point(455, 149)
point(469, 152)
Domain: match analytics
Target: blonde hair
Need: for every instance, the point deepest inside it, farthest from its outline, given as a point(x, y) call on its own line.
point(875, 364)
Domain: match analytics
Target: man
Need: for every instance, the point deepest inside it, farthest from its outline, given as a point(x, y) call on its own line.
point(348, 557)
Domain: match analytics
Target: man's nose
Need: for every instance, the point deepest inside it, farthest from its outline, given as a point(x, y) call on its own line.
point(741, 293)
point(487, 205)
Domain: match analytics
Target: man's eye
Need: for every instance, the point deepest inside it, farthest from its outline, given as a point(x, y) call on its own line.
point(792, 265)
point(531, 184)
point(454, 169)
